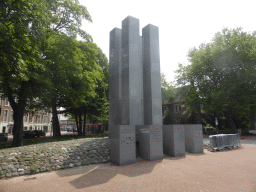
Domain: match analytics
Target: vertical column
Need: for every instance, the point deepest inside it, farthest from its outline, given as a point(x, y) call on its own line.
point(115, 77)
point(132, 86)
point(151, 76)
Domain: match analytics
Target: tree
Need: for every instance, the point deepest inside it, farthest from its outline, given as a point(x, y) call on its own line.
point(167, 89)
point(95, 105)
point(222, 76)
point(26, 26)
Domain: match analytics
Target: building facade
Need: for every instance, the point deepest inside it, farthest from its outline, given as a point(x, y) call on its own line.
point(173, 112)
point(38, 121)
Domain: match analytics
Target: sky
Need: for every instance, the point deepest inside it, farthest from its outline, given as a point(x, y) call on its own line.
point(183, 24)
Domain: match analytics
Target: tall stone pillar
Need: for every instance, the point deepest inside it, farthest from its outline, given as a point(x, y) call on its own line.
point(134, 64)
point(151, 76)
point(132, 74)
point(115, 66)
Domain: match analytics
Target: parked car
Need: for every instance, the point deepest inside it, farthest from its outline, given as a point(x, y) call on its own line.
point(33, 134)
point(39, 133)
point(3, 137)
point(28, 134)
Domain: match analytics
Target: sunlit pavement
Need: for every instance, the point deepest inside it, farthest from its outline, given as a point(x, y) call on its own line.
point(231, 170)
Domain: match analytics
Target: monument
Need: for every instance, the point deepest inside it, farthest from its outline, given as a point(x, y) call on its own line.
point(135, 101)
point(135, 105)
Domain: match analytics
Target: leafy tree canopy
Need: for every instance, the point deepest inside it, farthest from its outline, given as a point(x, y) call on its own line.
point(221, 76)
point(167, 89)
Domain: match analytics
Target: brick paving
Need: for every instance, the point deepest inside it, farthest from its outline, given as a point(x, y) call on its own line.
point(233, 170)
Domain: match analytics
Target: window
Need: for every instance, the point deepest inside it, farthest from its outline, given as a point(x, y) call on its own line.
point(6, 103)
point(5, 115)
point(30, 118)
point(177, 108)
point(26, 118)
point(11, 117)
point(0, 100)
point(44, 119)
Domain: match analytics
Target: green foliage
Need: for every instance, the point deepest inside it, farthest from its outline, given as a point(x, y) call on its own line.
point(221, 76)
point(40, 57)
point(167, 89)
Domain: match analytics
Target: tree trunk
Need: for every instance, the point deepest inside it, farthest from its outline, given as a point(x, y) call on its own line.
point(76, 121)
point(55, 120)
point(198, 115)
point(252, 119)
point(80, 124)
point(18, 114)
point(84, 126)
point(231, 121)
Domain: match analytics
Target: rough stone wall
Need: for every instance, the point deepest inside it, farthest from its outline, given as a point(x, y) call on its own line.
point(53, 156)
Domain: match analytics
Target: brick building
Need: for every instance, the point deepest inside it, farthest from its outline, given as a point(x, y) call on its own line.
point(39, 121)
point(173, 112)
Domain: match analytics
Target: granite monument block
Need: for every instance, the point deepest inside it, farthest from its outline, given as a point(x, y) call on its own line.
point(132, 74)
point(174, 140)
point(122, 144)
point(151, 142)
point(194, 138)
point(115, 63)
point(151, 76)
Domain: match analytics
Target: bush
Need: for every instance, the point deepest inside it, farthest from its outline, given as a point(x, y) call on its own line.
point(219, 132)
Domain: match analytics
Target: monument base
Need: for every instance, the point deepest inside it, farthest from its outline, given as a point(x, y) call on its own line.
point(194, 138)
point(150, 142)
point(122, 144)
point(174, 140)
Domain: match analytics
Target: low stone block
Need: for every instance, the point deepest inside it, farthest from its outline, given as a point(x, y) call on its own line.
point(122, 144)
point(151, 142)
point(174, 140)
point(194, 138)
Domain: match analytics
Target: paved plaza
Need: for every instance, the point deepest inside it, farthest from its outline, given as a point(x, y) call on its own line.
point(232, 170)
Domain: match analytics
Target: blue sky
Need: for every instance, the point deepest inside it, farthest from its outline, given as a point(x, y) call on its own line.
point(182, 24)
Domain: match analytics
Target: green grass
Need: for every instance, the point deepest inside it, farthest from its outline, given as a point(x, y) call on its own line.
point(51, 139)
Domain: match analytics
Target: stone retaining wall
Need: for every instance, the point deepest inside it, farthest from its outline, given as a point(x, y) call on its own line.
point(53, 156)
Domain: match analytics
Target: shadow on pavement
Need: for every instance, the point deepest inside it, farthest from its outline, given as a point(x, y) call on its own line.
point(96, 174)
point(102, 174)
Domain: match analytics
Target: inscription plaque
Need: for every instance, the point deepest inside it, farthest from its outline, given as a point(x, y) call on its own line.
point(122, 144)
